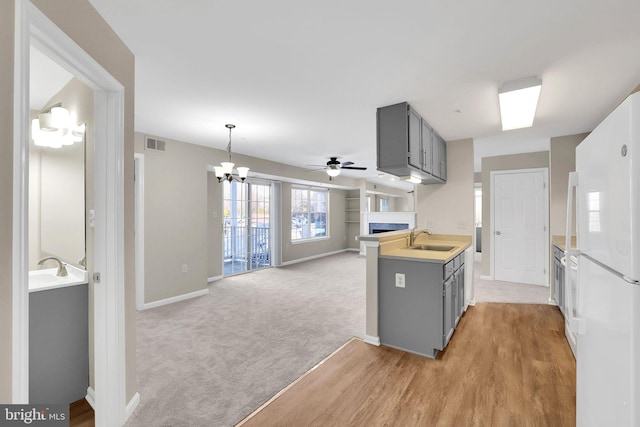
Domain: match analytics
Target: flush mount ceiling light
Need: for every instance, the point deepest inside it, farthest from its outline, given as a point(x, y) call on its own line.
point(225, 170)
point(518, 102)
point(55, 127)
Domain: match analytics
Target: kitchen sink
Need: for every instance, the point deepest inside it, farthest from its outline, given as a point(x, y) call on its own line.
point(441, 248)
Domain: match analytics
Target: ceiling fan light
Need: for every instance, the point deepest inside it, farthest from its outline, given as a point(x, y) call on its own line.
point(333, 172)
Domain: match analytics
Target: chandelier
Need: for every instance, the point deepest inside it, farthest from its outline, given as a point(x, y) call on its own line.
point(225, 170)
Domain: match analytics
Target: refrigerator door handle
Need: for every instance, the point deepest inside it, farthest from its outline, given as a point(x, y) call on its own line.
point(576, 324)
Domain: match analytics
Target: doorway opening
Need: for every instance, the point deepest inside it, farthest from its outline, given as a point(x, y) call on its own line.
point(247, 227)
point(33, 28)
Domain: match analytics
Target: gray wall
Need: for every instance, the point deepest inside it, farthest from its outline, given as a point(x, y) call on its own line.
point(509, 162)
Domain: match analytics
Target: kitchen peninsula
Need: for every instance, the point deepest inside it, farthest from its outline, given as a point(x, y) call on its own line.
point(418, 286)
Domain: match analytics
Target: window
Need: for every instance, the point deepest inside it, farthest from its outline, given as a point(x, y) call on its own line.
point(384, 205)
point(478, 206)
point(309, 209)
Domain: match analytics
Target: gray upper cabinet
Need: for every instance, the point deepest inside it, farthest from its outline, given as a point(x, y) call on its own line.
point(415, 155)
point(435, 142)
point(408, 146)
point(427, 149)
point(442, 156)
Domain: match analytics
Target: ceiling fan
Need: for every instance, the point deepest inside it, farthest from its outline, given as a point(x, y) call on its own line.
point(334, 166)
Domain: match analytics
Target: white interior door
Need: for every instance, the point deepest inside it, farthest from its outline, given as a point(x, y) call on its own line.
point(520, 218)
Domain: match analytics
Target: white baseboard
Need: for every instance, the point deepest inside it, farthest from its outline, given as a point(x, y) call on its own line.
point(91, 397)
point(486, 277)
point(352, 250)
point(171, 300)
point(131, 406)
point(309, 258)
point(214, 279)
point(372, 340)
point(552, 301)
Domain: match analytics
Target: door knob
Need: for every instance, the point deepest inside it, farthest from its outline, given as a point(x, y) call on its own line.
point(498, 233)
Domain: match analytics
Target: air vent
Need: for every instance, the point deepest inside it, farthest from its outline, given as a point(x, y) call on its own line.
point(155, 144)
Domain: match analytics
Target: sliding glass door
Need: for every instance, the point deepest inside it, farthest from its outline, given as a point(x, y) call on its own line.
point(247, 231)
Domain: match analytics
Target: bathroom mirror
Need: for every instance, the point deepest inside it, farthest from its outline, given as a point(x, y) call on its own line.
point(57, 190)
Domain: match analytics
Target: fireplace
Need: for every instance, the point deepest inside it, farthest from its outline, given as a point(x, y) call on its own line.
point(382, 227)
point(380, 222)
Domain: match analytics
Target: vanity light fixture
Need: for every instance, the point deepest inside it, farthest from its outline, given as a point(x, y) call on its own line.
point(225, 170)
point(54, 128)
point(518, 102)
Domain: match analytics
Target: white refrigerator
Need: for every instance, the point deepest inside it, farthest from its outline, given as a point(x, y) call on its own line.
point(605, 313)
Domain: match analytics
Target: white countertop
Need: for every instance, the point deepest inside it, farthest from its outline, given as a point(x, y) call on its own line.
point(46, 279)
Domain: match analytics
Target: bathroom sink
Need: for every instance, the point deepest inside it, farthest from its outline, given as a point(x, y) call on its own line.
point(42, 279)
point(441, 248)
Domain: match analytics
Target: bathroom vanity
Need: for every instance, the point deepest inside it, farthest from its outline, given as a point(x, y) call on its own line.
point(58, 340)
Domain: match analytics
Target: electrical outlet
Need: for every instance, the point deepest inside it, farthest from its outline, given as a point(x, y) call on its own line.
point(399, 280)
point(215, 214)
point(428, 223)
point(185, 268)
point(462, 224)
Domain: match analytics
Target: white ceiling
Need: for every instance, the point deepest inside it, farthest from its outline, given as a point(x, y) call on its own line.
point(302, 81)
point(46, 78)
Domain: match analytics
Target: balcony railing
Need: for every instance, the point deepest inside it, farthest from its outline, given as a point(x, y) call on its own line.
point(236, 245)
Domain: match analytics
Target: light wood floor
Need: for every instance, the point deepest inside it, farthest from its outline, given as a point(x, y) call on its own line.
point(506, 365)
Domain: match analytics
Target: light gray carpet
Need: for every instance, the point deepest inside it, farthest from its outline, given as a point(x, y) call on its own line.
point(213, 360)
point(497, 291)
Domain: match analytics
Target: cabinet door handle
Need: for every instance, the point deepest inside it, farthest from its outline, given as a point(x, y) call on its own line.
point(498, 233)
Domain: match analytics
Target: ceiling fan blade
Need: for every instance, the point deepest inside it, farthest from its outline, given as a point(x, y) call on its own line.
point(347, 164)
point(354, 168)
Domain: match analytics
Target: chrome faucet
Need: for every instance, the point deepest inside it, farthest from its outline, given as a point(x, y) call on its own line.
point(62, 270)
point(413, 235)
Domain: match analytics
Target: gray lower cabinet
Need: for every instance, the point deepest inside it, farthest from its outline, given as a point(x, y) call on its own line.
point(421, 316)
point(58, 345)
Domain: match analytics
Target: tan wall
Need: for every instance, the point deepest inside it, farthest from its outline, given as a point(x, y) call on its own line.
point(562, 160)
point(175, 223)
point(184, 215)
point(79, 20)
point(6, 195)
point(450, 206)
point(509, 162)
